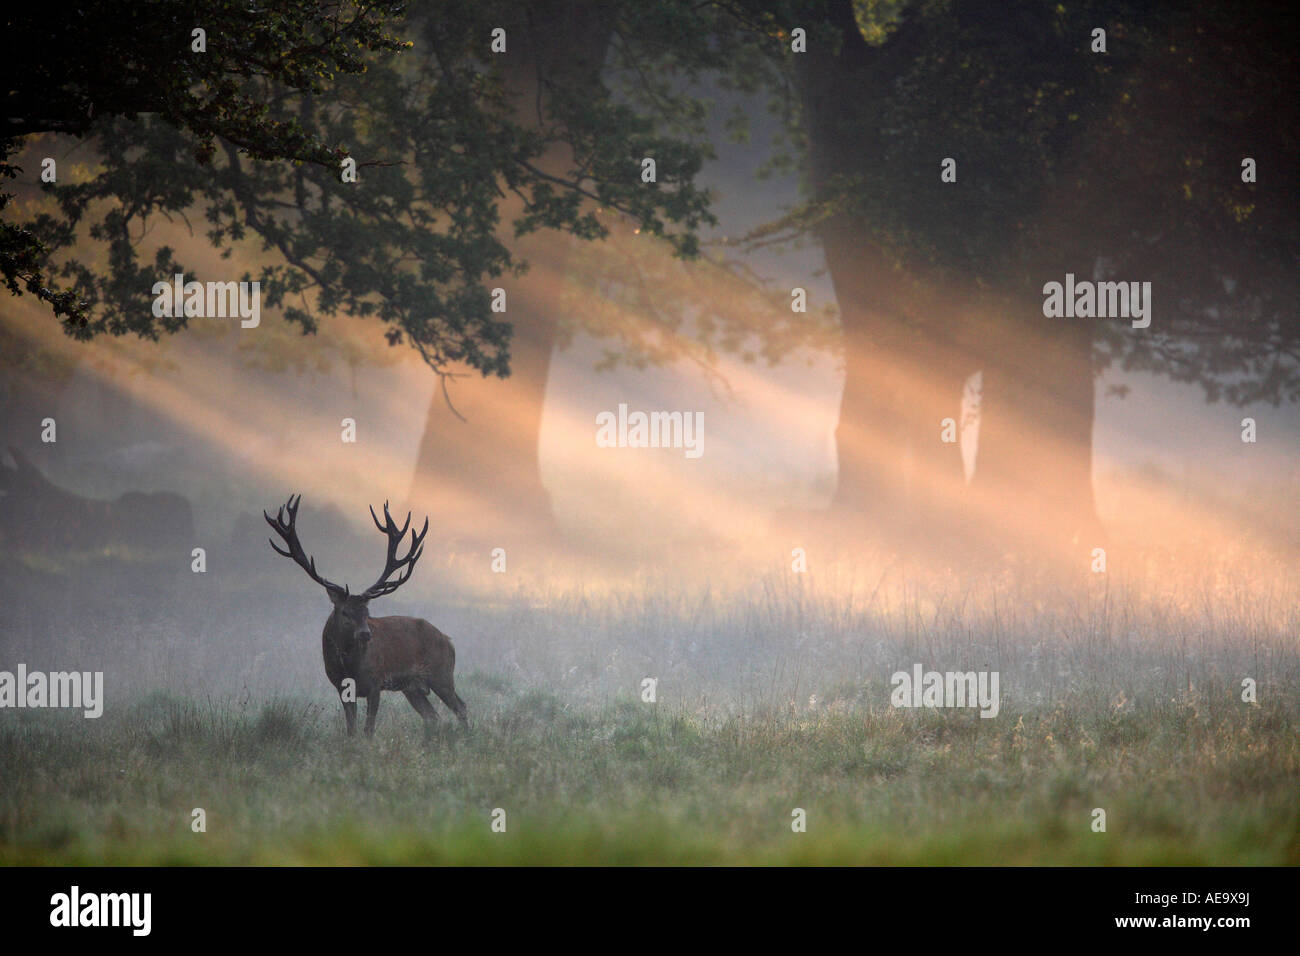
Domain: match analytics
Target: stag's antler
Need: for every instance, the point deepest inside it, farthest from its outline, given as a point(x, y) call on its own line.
point(394, 563)
point(286, 530)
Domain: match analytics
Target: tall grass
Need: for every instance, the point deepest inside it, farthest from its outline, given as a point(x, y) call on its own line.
point(1121, 692)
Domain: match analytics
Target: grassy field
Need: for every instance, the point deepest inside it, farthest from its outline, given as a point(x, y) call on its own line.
point(1120, 691)
point(1182, 782)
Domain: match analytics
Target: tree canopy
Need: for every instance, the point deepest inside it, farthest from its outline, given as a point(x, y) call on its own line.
point(1071, 156)
point(1130, 156)
point(252, 132)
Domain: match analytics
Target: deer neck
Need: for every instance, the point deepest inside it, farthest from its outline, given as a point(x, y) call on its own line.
point(332, 646)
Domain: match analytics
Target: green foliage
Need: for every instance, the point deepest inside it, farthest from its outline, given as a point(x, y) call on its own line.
point(1065, 156)
point(252, 133)
point(91, 70)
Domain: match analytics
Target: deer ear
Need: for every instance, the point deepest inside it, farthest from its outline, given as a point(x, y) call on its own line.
point(337, 595)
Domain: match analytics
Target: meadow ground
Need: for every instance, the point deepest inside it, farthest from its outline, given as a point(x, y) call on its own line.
point(1182, 782)
point(1122, 692)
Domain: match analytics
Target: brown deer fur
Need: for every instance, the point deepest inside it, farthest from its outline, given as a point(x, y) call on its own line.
point(405, 654)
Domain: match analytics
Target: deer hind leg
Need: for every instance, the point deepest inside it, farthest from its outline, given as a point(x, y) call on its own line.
point(446, 691)
point(420, 701)
point(372, 712)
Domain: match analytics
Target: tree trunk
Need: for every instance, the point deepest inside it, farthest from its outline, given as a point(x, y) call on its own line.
point(480, 479)
point(903, 368)
point(911, 340)
point(1033, 474)
point(902, 380)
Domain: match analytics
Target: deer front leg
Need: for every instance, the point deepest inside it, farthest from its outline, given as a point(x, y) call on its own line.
point(350, 715)
point(372, 712)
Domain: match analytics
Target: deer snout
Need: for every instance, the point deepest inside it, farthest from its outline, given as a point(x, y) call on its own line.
point(363, 636)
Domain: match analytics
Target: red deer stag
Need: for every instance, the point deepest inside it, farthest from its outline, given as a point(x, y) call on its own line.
point(379, 653)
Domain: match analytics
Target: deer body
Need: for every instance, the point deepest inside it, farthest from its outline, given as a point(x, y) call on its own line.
point(404, 654)
point(378, 654)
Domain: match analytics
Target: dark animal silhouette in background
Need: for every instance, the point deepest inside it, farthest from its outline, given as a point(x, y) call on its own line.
point(37, 515)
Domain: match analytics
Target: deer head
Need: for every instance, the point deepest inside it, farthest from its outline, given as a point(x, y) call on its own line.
point(350, 621)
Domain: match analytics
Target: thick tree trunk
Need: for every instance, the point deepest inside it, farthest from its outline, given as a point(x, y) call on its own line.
point(1033, 475)
point(902, 379)
point(480, 478)
point(912, 339)
point(903, 367)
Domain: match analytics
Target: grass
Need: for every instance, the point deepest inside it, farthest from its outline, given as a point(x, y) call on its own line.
point(1120, 691)
point(1184, 782)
